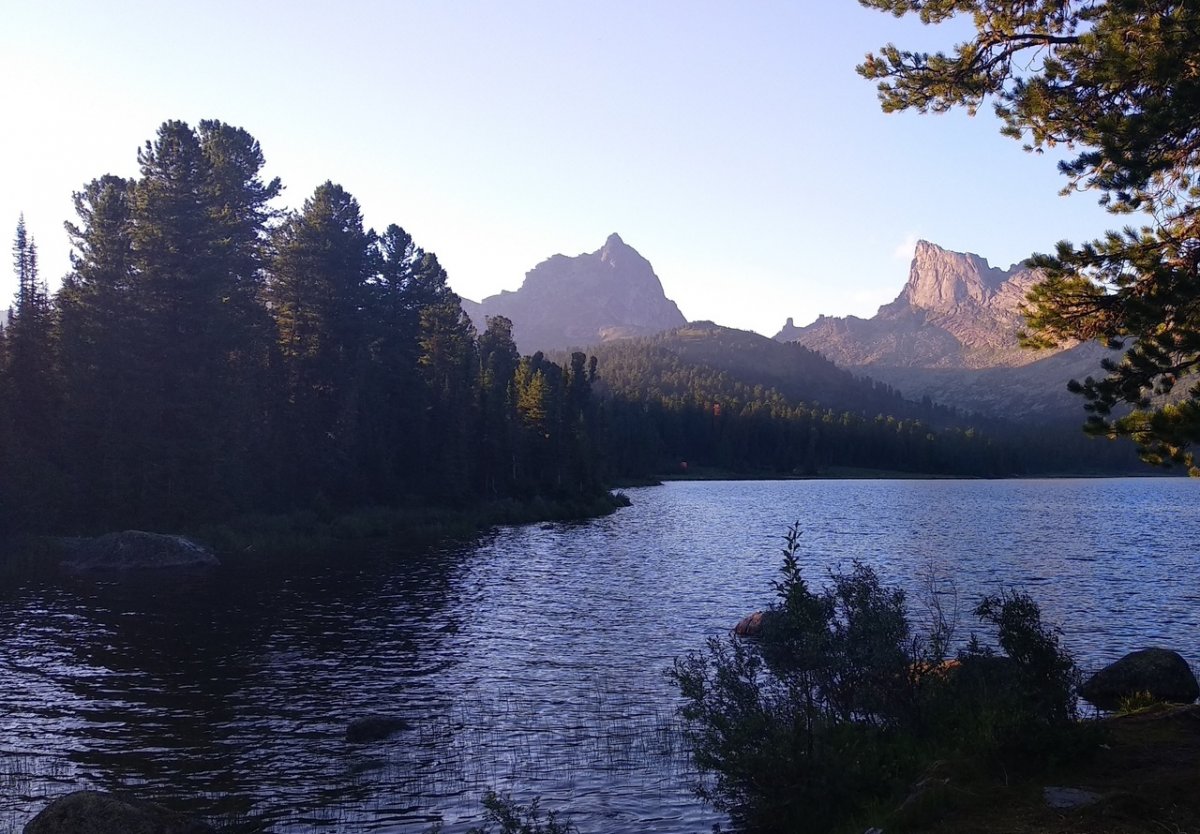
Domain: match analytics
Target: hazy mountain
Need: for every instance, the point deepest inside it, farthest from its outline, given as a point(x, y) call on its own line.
point(566, 302)
point(952, 335)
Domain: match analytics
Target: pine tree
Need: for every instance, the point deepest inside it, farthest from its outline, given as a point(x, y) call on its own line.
point(449, 365)
point(1117, 82)
point(318, 291)
point(498, 361)
point(99, 344)
point(29, 400)
point(29, 353)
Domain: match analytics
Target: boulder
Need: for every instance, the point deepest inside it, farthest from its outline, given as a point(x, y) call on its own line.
point(133, 550)
point(749, 626)
point(1160, 672)
point(374, 728)
point(93, 812)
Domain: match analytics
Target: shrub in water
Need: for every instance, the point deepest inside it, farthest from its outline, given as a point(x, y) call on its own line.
point(513, 818)
point(837, 703)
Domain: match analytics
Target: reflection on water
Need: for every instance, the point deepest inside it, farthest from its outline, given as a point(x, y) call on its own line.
point(531, 661)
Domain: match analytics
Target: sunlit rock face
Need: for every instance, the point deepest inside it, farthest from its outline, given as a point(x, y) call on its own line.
point(956, 311)
point(566, 302)
point(953, 334)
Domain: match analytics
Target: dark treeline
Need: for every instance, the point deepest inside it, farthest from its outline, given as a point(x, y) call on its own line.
point(209, 355)
point(736, 401)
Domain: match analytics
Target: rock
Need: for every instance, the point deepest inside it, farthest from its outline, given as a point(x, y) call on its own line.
point(952, 335)
point(374, 728)
point(749, 626)
point(136, 550)
point(1161, 672)
point(93, 812)
point(1070, 797)
point(564, 302)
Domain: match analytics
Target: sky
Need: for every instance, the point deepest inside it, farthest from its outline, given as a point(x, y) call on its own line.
point(732, 144)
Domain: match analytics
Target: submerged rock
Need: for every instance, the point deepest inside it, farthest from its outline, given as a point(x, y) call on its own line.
point(136, 550)
point(1160, 672)
point(94, 812)
point(374, 728)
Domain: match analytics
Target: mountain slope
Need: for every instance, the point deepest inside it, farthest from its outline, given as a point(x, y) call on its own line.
point(742, 402)
point(566, 302)
point(952, 335)
point(720, 357)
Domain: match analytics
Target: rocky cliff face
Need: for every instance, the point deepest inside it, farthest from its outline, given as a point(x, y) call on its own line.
point(956, 311)
point(952, 334)
point(566, 302)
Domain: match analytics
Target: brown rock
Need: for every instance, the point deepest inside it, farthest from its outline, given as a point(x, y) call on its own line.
point(749, 626)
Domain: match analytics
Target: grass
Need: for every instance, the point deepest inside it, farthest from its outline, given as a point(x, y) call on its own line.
point(1145, 773)
point(315, 534)
point(415, 525)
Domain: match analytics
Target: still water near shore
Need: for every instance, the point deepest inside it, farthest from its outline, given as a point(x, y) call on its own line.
point(531, 660)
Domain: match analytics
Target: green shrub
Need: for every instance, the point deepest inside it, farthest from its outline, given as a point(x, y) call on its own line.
point(1137, 702)
point(837, 703)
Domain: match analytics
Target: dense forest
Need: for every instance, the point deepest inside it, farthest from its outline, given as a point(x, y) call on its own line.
point(210, 355)
point(711, 396)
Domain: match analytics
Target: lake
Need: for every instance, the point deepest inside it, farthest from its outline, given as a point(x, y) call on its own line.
point(532, 659)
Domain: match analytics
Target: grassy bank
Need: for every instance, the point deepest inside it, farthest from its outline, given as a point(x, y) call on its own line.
point(313, 533)
point(1142, 778)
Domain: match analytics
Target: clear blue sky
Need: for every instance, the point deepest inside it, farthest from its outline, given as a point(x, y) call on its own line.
point(732, 144)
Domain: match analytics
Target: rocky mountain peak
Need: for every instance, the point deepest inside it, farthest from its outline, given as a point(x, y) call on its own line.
point(941, 281)
point(956, 310)
point(577, 301)
point(617, 254)
point(951, 334)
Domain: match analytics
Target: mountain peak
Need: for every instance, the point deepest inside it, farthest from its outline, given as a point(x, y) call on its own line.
point(617, 253)
point(955, 311)
point(582, 300)
point(942, 280)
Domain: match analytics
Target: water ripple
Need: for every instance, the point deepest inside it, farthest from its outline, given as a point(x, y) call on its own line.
point(531, 661)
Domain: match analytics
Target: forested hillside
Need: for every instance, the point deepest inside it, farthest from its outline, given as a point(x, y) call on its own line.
point(712, 396)
point(208, 355)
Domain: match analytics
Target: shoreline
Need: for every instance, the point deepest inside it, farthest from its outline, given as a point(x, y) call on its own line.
point(309, 534)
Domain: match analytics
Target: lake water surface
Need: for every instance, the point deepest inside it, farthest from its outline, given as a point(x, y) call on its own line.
point(531, 660)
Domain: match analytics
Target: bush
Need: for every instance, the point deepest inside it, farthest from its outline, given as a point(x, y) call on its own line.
point(837, 703)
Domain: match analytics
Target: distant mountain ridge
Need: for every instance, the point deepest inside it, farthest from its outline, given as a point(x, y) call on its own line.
point(565, 302)
point(952, 335)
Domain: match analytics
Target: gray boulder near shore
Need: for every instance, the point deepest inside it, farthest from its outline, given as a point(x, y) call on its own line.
point(133, 550)
point(94, 812)
point(1161, 672)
